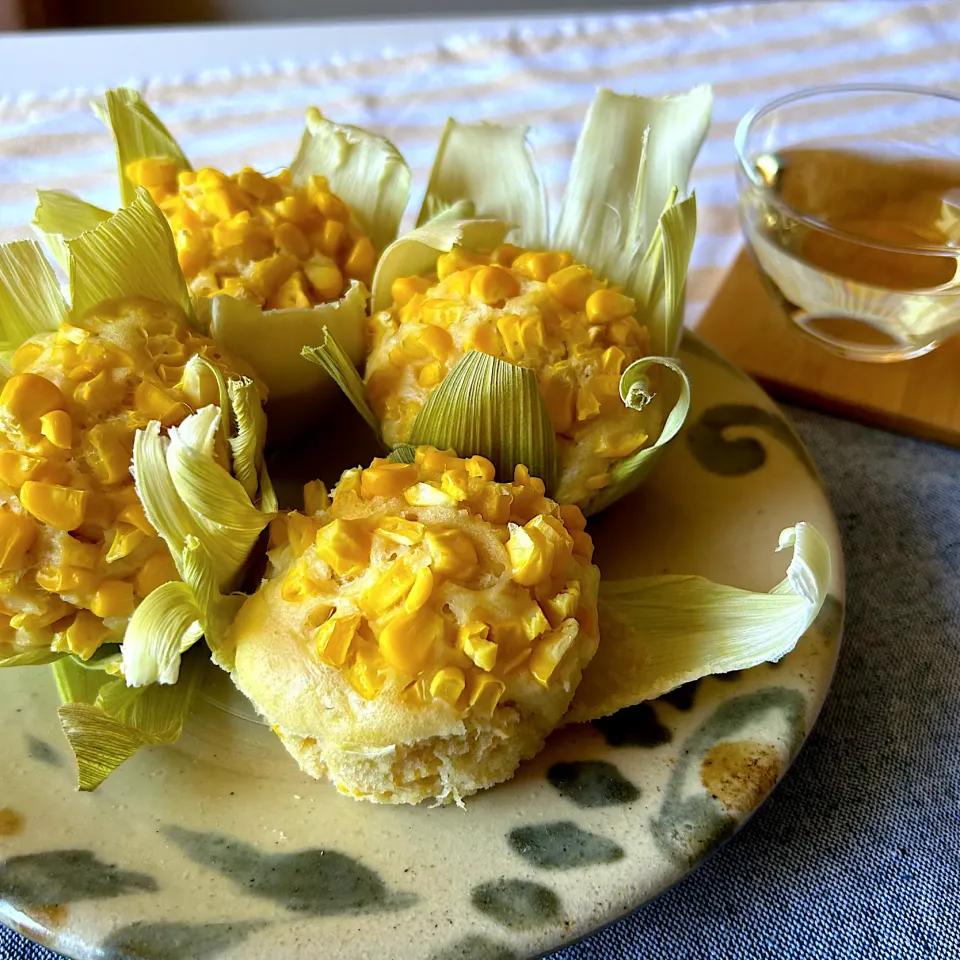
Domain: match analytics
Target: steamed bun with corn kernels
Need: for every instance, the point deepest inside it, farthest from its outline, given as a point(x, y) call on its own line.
point(423, 631)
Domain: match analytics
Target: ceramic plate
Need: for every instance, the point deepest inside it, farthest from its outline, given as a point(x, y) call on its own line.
point(220, 847)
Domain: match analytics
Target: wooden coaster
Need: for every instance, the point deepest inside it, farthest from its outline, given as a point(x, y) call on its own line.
point(920, 397)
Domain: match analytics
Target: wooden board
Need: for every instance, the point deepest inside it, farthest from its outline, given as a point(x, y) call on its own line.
point(920, 397)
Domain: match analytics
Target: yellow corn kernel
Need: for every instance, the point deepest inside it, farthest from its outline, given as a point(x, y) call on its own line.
point(256, 184)
point(108, 449)
point(301, 532)
point(522, 477)
point(587, 404)
point(62, 579)
point(27, 397)
point(389, 590)
point(437, 341)
point(329, 205)
point(448, 684)
point(99, 392)
point(563, 605)
point(427, 495)
point(233, 232)
point(208, 178)
point(458, 284)
point(204, 283)
point(76, 553)
point(485, 693)
point(456, 260)
point(533, 622)
point(582, 545)
point(55, 505)
point(432, 460)
point(572, 285)
point(494, 504)
point(548, 653)
point(83, 637)
point(403, 288)
point(334, 638)
point(221, 203)
point(290, 294)
point(505, 254)
point(472, 639)
point(430, 375)
point(531, 556)
point(452, 553)
point(16, 467)
point(366, 674)
point(456, 483)
point(555, 534)
point(399, 530)
point(361, 260)
point(57, 427)
point(612, 360)
point(540, 266)
point(156, 571)
point(134, 514)
point(597, 482)
point(623, 331)
point(153, 172)
point(420, 591)
point(494, 284)
point(572, 516)
point(17, 534)
point(604, 305)
point(114, 598)
point(438, 311)
point(407, 639)
point(480, 467)
point(290, 240)
point(267, 276)
point(27, 353)
point(156, 404)
point(330, 238)
point(315, 497)
point(387, 480)
point(124, 540)
point(344, 545)
point(483, 338)
point(616, 445)
point(326, 280)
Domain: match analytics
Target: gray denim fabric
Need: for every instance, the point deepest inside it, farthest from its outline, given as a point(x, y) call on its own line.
point(857, 853)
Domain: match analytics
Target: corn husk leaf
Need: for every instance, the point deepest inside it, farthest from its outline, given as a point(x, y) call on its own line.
point(246, 446)
point(365, 171)
point(60, 216)
point(491, 408)
point(30, 297)
point(637, 392)
point(130, 255)
point(107, 722)
point(631, 154)
point(340, 368)
point(491, 167)
point(660, 632)
point(138, 133)
point(210, 522)
point(416, 253)
point(240, 325)
point(403, 453)
point(34, 657)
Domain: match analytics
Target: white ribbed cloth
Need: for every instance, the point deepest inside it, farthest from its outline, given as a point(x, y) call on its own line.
point(238, 113)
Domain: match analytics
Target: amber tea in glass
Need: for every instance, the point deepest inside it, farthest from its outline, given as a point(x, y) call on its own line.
point(850, 203)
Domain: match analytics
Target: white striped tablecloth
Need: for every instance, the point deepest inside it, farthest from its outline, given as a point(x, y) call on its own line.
point(235, 114)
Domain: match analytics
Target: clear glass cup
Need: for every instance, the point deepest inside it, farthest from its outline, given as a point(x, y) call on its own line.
point(849, 199)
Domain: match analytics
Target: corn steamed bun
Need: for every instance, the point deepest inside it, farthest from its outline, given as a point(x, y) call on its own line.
point(536, 309)
point(77, 552)
point(422, 632)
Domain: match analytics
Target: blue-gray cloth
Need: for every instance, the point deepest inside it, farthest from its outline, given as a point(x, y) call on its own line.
point(857, 853)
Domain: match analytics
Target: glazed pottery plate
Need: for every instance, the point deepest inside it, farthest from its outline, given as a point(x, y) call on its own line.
point(220, 847)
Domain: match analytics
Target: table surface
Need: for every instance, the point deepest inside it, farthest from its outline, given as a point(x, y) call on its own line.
point(857, 854)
